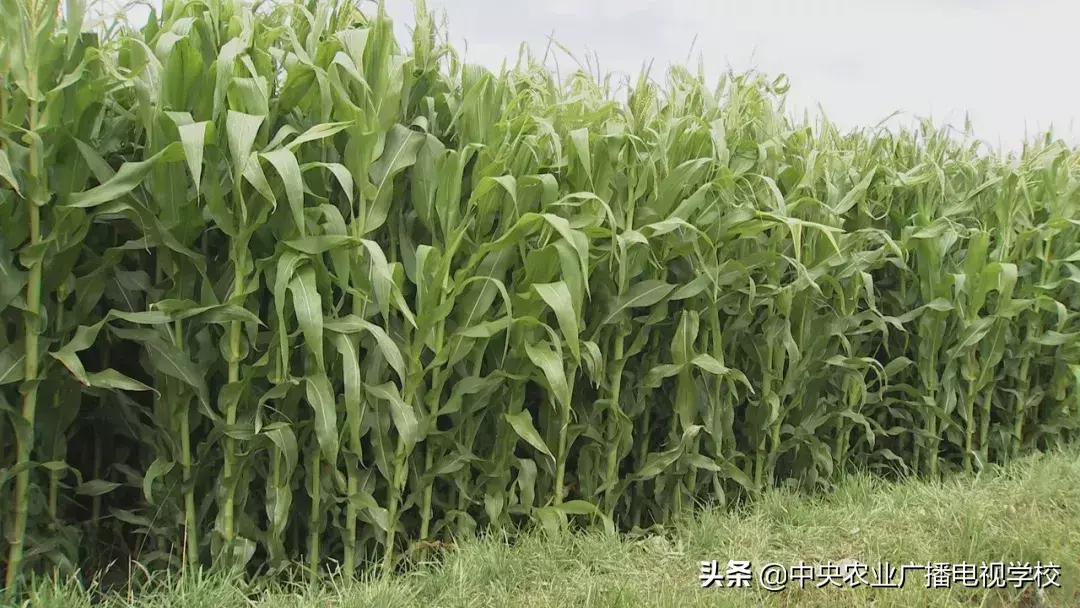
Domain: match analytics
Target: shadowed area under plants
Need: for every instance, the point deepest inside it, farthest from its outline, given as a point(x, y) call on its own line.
point(279, 288)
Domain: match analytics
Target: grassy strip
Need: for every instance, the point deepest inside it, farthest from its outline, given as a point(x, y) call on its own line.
point(1028, 511)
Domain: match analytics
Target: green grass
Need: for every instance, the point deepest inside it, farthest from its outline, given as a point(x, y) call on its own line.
point(1028, 511)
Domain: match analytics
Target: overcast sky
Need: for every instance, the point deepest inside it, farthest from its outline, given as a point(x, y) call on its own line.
point(1007, 63)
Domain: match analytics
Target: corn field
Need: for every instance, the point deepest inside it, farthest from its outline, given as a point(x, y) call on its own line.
point(279, 288)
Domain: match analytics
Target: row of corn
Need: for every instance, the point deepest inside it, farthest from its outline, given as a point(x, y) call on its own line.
point(277, 289)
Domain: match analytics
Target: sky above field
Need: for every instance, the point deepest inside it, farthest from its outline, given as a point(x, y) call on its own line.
point(1003, 62)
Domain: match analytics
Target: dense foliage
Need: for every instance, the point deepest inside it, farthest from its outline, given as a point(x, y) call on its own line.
point(275, 288)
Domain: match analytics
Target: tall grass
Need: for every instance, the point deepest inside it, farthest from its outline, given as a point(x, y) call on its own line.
point(277, 288)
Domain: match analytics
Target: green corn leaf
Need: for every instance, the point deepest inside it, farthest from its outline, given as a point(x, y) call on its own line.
point(96, 487)
point(7, 173)
point(112, 379)
point(193, 137)
point(126, 179)
point(157, 468)
point(557, 296)
point(308, 308)
point(241, 129)
point(643, 294)
point(399, 152)
point(288, 169)
point(523, 426)
point(320, 396)
point(402, 412)
point(318, 132)
point(550, 363)
point(351, 324)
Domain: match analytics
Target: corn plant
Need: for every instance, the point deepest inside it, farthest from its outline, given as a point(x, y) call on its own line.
point(280, 288)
